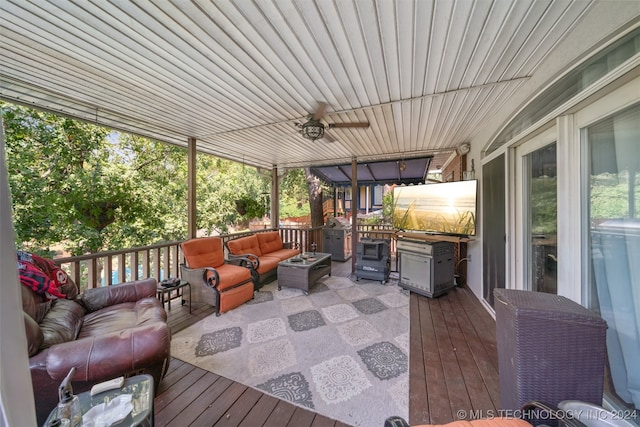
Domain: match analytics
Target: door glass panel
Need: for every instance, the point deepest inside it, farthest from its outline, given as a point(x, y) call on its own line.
point(614, 253)
point(542, 201)
point(493, 227)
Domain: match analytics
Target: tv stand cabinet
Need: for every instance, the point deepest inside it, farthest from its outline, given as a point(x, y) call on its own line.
point(426, 266)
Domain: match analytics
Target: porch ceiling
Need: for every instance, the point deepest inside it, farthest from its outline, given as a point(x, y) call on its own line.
point(237, 75)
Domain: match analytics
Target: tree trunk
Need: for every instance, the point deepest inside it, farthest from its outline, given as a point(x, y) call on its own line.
point(315, 198)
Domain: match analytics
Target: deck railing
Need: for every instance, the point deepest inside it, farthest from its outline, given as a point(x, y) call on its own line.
point(161, 260)
point(378, 231)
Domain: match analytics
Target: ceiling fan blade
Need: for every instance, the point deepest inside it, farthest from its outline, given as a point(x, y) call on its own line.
point(349, 125)
point(328, 138)
point(320, 108)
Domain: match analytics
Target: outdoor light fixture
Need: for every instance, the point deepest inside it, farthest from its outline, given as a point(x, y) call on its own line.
point(312, 129)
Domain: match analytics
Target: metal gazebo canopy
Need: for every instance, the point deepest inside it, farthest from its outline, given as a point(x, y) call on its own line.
point(396, 171)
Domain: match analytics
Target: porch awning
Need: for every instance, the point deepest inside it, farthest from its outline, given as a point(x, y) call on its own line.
point(398, 171)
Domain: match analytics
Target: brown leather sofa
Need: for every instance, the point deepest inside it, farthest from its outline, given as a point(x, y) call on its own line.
point(104, 333)
point(265, 250)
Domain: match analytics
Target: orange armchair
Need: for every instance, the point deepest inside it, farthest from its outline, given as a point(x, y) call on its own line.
point(221, 283)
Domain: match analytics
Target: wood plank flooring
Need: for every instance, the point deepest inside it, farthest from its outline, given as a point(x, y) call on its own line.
point(453, 360)
point(453, 367)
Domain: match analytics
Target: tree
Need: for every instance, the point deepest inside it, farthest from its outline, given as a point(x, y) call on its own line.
point(294, 194)
point(83, 188)
point(315, 198)
point(54, 163)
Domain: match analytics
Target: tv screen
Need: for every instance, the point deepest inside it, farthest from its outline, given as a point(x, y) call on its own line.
point(443, 208)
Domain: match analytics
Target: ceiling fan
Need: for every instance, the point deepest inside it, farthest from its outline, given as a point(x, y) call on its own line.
point(314, 129)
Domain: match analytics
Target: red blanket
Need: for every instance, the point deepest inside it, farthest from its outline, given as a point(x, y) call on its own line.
point(41, 274)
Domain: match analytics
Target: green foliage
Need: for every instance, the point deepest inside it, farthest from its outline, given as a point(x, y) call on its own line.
point(83, 188)
point(544, 205)
point(219, 184)
point(610, 195)
point(387, 207)
point(294, 194)
point(54, 163)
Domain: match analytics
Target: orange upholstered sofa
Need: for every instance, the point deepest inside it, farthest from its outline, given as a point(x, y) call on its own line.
point(493, 422)
point(265, 250)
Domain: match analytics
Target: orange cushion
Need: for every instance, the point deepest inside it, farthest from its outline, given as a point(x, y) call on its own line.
point(268, 263)
point(283, 254)
point(235, 297)
point(269, 241)
point(231, 275)
point(244, 245)
point(486, 422)
point(203, 252)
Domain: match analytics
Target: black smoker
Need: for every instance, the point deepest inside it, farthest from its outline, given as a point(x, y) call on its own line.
point(373, 259)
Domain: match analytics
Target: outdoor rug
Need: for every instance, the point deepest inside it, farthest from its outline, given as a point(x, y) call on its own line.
point(341, 351)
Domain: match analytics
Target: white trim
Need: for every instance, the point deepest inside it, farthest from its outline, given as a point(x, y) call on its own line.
point(569, 208)
point(17, 405)
point(632, 65)
point(617, 100)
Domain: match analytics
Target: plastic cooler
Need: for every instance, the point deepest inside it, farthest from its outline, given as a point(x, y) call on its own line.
point(550, 349)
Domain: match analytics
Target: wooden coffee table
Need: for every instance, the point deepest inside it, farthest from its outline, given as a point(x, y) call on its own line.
point(302, 273)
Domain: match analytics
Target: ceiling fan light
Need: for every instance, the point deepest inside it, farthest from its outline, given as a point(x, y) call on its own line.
point(313, 130)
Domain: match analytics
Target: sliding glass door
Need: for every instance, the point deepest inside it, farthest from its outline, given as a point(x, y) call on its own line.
point(536, 214)
point(541, 224)
point(612, 182)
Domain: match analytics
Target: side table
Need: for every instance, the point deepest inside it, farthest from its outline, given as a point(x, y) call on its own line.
point(165, 291)
point(141, 389)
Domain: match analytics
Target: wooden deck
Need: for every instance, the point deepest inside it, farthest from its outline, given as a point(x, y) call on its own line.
point(453, 367)
point(453, 360)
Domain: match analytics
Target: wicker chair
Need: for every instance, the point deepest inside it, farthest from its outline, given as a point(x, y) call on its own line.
point(221, 283)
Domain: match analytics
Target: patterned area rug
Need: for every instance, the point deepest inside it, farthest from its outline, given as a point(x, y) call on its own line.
point(341, 351)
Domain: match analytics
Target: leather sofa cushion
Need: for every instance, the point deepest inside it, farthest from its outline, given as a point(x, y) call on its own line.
point(61, 323)
point(245, 245)
point(121, 317)
point(35, 305)
point(97, 298)
point(269, 241)
point(34, 334)
point(69, 289)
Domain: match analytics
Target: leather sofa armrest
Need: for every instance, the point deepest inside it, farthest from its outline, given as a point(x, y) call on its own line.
point(97, 298)
point(35, 337)
point(103, 357)
point(244, 260)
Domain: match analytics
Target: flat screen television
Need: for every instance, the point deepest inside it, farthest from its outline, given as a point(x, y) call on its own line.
point(444, 208)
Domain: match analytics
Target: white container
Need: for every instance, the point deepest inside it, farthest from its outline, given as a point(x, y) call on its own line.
point(596, 416)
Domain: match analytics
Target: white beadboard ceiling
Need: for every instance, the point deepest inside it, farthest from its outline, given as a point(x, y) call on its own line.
point(237, 75)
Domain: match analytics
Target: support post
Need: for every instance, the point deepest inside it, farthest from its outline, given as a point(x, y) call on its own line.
point(191, 188)
point(275, 198)
point(354, 212)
